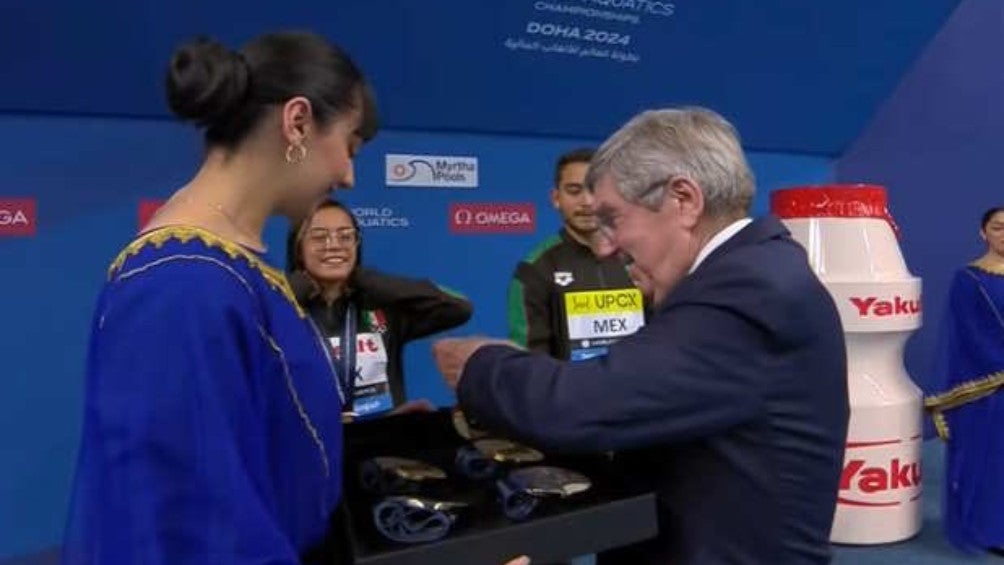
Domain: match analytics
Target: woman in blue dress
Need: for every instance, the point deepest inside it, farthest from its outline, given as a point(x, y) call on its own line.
point(968, 410)
point(212, 429)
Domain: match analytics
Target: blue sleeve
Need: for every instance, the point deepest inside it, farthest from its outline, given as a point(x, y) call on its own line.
point(969, 359)
point(173, 467)
point(971, 333)
point(685, 375)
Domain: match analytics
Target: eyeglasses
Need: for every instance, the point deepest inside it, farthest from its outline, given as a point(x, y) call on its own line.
point(321, 238)
point(608, 221)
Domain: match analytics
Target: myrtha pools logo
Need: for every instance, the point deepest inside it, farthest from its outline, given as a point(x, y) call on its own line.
point(432, 170)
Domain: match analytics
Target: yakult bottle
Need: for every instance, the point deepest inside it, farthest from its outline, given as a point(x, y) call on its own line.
point(852, 245)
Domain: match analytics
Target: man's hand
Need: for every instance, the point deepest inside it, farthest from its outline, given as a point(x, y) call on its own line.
point(412, 406)
point(451, 355)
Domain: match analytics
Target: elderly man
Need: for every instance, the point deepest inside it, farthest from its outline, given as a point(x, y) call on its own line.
point(732, 402)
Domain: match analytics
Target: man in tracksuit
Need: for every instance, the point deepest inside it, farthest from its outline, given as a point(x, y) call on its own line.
point(563, 300)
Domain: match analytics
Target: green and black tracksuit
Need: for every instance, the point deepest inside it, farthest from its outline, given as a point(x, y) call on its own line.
point(536, 305)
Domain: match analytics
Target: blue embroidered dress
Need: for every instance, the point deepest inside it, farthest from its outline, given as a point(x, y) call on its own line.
point(212, 430)
point(968, 410)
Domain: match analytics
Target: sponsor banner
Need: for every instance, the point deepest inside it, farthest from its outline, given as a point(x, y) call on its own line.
point(147, 208)
point(493, 217)
point(441, 171)
point(375, 217)
point(18, 217)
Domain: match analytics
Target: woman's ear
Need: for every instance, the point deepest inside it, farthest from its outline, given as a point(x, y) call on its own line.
point(297, 118)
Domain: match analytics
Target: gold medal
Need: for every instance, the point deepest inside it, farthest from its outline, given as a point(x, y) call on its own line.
point(505, 451)
point(396, 474)
point(464, 428)
point(409, 469)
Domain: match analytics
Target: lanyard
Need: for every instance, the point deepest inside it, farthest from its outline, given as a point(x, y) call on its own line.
point(348, 373)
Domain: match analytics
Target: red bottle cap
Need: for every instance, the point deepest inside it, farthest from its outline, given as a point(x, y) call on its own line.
point(833, 201)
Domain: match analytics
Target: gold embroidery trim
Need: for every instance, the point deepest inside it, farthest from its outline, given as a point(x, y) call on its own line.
point(964, 393)
point(940, 425)
point(157, 238)
point(315, 435)
point(988, 267)
point(273, 277)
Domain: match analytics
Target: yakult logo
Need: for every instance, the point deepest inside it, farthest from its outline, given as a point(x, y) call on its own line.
point(886, 476)
point(873, 306)
point(18, 217)
point(493, 218)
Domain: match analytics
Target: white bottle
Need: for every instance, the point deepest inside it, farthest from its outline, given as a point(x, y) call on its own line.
point(852, 246)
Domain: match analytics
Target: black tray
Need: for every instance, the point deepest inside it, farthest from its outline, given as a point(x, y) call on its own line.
point(610, 514)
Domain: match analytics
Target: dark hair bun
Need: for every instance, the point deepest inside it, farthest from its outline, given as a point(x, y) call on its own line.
point(206, 82)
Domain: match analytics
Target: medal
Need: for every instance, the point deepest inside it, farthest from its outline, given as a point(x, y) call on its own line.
point(392, 474)
point(407, 519)
point(464, 428)
point(522, 490)
point(505, 451)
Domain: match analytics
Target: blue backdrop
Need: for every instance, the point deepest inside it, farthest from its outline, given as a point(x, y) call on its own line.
point(797, 76)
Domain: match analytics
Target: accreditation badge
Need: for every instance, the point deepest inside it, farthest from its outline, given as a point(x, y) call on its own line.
point(372, 389)
point(596, 319)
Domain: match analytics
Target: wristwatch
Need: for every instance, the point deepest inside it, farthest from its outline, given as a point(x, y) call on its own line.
point(409, 519)
point(385, 475)
point(523, 489)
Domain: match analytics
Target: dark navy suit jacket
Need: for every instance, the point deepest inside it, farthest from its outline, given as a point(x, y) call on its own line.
point(731, 404)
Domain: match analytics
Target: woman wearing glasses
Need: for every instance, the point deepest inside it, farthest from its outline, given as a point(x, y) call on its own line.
point(379, 312)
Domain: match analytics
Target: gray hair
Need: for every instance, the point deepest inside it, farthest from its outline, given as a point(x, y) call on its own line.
point(658, 145)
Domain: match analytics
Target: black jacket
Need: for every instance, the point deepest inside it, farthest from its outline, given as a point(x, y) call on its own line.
point(557, 266)
point(731, 404)
point(407, 309)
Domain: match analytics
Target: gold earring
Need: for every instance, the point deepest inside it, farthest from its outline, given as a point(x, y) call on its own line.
point(296, 153)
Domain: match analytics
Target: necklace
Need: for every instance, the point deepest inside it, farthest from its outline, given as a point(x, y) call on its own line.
point(249, 241)
point(233, 223)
